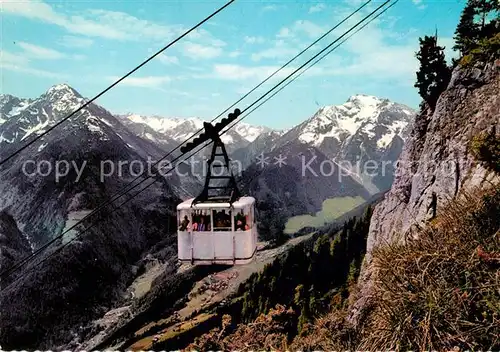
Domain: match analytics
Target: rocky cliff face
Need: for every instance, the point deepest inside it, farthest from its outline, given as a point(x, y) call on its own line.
point(13, 245)
point(436, 160)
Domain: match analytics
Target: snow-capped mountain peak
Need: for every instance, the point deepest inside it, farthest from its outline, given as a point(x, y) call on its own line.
point(359, 114)
point(22, 119)
point(180, 129)
point(250, 132)
point(364, 99)
point(10, 106)
point(63, 98)
point(62, 88)
point(164, 124)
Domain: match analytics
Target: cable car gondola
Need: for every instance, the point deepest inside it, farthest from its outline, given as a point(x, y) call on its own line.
point(219, 225)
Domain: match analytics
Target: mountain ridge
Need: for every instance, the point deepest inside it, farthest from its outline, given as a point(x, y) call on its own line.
point(181, 127)
point(349, 134)
point(363, 128)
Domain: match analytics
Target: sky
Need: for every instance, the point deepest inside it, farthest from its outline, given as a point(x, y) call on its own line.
point(90, 44)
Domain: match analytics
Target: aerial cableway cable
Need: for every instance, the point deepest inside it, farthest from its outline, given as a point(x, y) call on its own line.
point(88, 102)
point(10, 270)
point(78, 223)
point(314, 57)
point(314, 63)
point(292, 79)
point(263, 102)
point(94, 223)
point(280, 89)
point(125, 190)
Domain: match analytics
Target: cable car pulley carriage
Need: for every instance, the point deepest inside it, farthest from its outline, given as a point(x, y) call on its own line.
point(218, 226)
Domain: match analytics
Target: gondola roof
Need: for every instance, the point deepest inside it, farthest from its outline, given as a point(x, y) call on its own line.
point(239, 203)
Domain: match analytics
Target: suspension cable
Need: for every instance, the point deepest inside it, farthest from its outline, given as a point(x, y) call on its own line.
point(22, 262)
point(88, 102)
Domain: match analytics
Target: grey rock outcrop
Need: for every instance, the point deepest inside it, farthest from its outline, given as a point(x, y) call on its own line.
point(13, 245)
point(436, 160)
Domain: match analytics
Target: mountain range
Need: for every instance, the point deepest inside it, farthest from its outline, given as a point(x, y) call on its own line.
point(363, 129)
point(343, 138)
point(180, 129)
point(42, 206)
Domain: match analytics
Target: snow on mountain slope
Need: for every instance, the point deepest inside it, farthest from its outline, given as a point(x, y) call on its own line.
point(364, 128)
point(361, 113)
point(166, 124)
point(180, 129)
point(43, 205)
point(249, 132)
point(11, 105)
point(24, 119)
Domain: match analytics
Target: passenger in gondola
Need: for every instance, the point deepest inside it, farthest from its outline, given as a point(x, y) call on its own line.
point(224, 217)
point(238, 217)
point(184, 224)
point(240, 226)
point(227, 219)
point(195, 222)
point(202, 225)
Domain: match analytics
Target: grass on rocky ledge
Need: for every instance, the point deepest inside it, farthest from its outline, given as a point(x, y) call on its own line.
point(441, 291)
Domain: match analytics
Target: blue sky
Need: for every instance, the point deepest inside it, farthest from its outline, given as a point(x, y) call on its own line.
point(87, 44)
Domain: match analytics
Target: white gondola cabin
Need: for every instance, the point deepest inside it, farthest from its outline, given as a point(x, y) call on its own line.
point(217, 233)
point(217, 228)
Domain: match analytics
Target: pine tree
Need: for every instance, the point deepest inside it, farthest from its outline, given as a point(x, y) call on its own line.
point(486, 8)
point(467, 31)
point(434, 74)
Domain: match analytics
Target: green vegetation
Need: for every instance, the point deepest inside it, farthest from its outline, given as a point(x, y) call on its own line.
point(434, 74)
point(272, 219)
point(486, 148)
point(309, 275)
point(332, 209)
point(445, 283)
point(474, 26)
point(466, 29)
point(485, 50)
point(476, 37)
point(311, 278)
point(437, 292)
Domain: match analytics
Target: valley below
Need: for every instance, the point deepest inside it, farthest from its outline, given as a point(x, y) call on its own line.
point(194, 314)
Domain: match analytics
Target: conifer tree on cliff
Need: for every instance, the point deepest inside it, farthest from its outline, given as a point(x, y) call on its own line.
point(434, 74)
point(489, 12)
point(467, 30)
point(479, 20)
